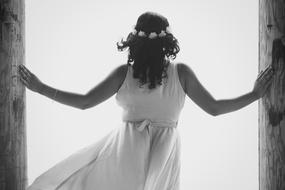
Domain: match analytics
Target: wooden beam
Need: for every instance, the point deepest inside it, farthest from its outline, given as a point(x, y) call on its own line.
point(272, 105)
point(13, 165)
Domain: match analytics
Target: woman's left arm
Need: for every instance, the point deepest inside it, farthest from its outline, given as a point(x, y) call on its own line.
point(230, 105)
point(200, 95)
point(98, 94)
point(261, 85)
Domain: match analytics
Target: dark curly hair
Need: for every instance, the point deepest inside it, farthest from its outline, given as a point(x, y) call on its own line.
point(150, 54)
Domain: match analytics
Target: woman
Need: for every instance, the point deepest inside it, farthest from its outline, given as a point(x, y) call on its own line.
point(144, 153)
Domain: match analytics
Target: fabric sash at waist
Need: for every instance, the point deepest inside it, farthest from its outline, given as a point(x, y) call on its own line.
point(141, 125)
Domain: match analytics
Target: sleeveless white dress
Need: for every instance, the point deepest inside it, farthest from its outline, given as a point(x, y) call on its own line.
point(143, 153)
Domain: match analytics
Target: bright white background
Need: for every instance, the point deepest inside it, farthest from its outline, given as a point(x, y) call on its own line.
point(70, 45)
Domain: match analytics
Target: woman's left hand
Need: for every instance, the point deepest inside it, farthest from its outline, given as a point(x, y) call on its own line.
point(30, 80)
point(263, 82)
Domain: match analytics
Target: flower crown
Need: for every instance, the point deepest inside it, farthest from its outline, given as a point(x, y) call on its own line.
point(152, 35)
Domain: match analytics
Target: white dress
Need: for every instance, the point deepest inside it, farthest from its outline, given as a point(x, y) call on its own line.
point(143, 153)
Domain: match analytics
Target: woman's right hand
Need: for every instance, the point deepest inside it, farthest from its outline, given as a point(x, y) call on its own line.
point(29, 79)
point(263, 81)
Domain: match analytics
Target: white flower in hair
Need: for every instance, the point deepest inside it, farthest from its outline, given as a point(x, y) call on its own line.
point(168, 30)
point(162, 34)
point(152, 35)
point(134, 32)
point(142, 34)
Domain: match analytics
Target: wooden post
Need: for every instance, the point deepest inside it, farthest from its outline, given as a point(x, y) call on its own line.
point(272, 106)
point(13, 162)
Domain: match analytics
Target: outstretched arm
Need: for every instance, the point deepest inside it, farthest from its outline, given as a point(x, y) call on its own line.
point(197, 92)
point(98, 94)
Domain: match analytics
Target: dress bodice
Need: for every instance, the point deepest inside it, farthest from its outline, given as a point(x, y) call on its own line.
point(162, 104)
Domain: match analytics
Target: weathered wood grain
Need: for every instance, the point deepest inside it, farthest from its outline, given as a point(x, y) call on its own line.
point(13, 162)
point(272, 106)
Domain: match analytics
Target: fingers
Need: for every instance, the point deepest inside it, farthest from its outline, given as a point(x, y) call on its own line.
point(268, 78)
point(24, 81)
point(269, 73)
point(262, 72)
point(268, 82)
point(265, 77)
point(265, 85)
point(25, 70)
point(24, 75)
point(268, 70)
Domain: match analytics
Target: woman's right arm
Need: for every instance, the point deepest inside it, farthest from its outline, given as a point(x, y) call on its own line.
point(199, 94)
point(101, 92)
point(32, 82)
point(68, 98)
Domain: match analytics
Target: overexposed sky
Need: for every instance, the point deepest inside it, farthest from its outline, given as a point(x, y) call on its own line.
point(71, 45)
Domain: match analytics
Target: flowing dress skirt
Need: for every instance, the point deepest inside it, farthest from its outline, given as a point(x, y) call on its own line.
point(134, 156)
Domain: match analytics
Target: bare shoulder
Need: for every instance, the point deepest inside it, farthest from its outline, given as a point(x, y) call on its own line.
point(185, 70)
point(116, 77)
point(120, 73)
point(185, 73)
